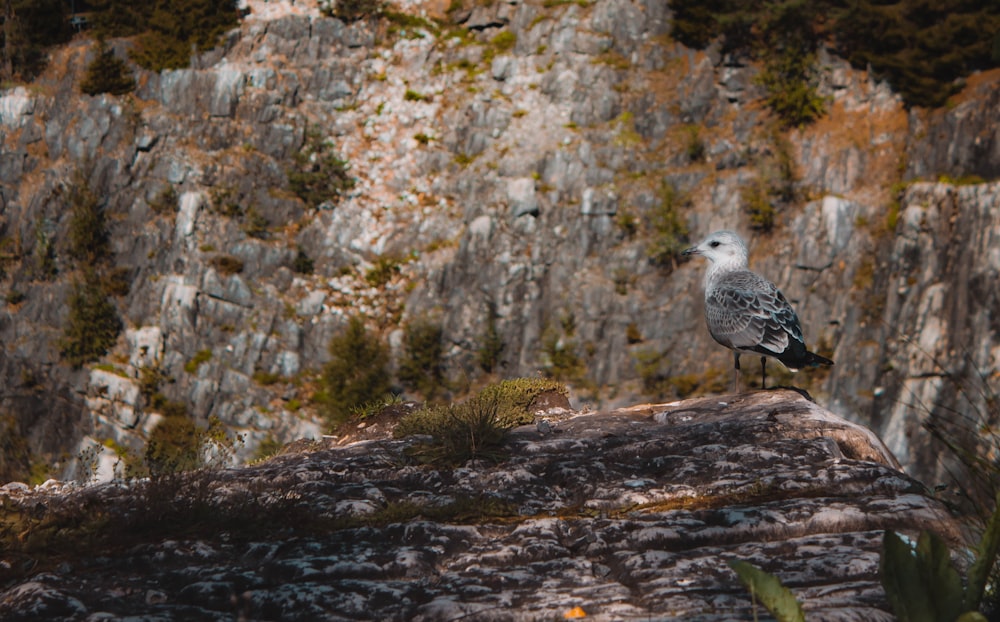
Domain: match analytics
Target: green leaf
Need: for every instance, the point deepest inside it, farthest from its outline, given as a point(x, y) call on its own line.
point(939, 578)
point(777, 598)
point(902, 581)
point(971, 616)
point(986, 554)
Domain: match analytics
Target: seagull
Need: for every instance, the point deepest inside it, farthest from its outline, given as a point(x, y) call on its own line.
point(747, 313)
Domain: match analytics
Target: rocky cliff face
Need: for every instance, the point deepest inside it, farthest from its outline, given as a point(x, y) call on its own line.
point(624, 515)
point(522, 177)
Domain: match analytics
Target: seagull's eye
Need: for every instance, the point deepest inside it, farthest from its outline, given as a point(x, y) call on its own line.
point(714, 243)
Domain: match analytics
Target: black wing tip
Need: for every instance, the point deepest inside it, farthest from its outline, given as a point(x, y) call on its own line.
point(815, 360)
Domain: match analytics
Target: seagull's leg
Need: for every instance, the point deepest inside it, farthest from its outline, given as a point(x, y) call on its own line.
point(736, 364)
point(763, 372)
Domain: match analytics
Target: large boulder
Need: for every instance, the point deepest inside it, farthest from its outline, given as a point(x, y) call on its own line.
point(631, 514)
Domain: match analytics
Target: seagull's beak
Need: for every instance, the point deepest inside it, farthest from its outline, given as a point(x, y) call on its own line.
point(691, 251)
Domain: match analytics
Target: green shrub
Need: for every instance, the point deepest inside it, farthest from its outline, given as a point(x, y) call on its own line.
point(15, 297)
point(107, 73)
point(89, 240)
point(354, 10)
point(923, 49)
point(491, 346)
point(202, 356)
point(318, 175)
point(632, 334)
point(226, 201)
point(175, 28)
point(227, 264)
point(267, 378)
point(382, 271)
point(36, 25)
point(413, 96)
point(302, 263)
point(150, 379)
point(117, 281)
point(757, 204)
point(119, 18)
point(93, 324)
point(45, 253)
point(668, 228)
point(789, 52)
point(255, 224)
point(178, 444)
point(422, 365)
point(165, 201)
point(650, 366)
point(356, 373)
point(694, 146)
point(15, 456)
point(174, 445)
point(504, 41)
point(561, 360)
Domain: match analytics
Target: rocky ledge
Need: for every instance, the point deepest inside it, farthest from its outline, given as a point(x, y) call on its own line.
point(626, 515)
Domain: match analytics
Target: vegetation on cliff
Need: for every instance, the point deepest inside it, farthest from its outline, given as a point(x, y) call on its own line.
point(921, 48)
point(166, 31)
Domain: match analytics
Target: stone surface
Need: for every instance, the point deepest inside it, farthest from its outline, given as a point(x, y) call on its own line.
point(629, 514)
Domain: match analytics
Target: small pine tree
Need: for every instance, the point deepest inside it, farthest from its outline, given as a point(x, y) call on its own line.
point(668, 227)
point(357, 372)
point(89, 240)
point(422, 368)
point(492, 342)
point(45, 254)
point(107, 73)
point(318, 175)
point(93, 323)
point(174, 445)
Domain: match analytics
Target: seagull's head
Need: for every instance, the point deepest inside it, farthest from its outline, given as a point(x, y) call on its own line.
point(722, 248)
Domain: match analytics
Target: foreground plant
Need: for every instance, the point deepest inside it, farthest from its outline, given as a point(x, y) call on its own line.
point(767, 588)
point(923, 585)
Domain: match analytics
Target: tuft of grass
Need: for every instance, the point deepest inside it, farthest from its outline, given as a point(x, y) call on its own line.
point(414, 96)
point(475, 428)
point(519, 397)
point(382, 271)
point(202, 356)
point(461, 432)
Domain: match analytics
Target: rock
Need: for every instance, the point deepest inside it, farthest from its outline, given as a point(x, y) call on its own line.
point(594, 203)
point(521, 194)
point(625, 514)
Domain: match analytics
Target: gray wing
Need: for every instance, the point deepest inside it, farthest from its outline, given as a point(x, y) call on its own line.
point(747, 312)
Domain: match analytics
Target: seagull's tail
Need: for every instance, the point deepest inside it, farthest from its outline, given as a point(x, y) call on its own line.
point(811, 359)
